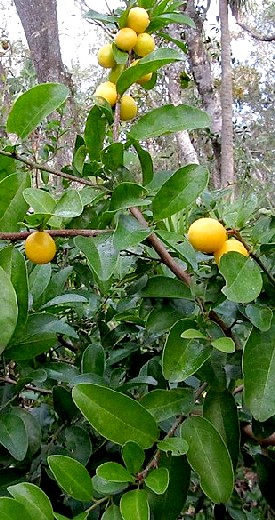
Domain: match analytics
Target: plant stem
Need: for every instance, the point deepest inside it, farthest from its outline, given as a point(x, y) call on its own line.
point(65, 233)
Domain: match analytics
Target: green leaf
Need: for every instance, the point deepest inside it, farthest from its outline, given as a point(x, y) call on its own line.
point(209, 458)
point(163, 404)
point(105, 18)
point(165, 287)
point(127, 195)
point(72, 477)
point(169, 119)
point(167, 18)
point(63, 404)
point(13, 435)
point(259, 315)
point(8, 310)
point(169, 505)
point(133, 456)
point(39, 280)
point(107, 488)
point(259, 373)
point(192, 334)
point(101, 254)
point(146, 163)
point(134, 504)
point(34, 499)
point(33, 106)
point(115, 416)
point(114, 472)
point(32, 427)
point(40, 201)
point(14, 265)
point(158, 480)
point(94, 132)
point(112, 513)
point(77, 441)
point(65, 299)
point(10, 509)
point(182, 357)
point(12, 203)
point(224, 344)
point(219, 408)
point(180, 190)
point(129, 232)
point(112, 156)
point(93, 359)
point(69, 205)
point(150, 63)
point(243, 277)
point(175, 445)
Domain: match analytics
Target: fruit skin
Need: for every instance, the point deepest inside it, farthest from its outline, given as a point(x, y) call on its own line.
point(40, 247)
point(145, 44)
point(206, 234)
point(144, 78)
point(107, 90)
point(138, 19)
point(126, 39)
point(230, 245)
point(105, 56)
point(128, 108)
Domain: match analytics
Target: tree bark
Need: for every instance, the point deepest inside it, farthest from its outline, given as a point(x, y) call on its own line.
point(227, 150)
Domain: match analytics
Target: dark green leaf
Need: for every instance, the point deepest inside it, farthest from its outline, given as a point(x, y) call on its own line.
point(133, 456)
point(158, 480)
point(33, 106)
point(243, 277)
point(13, 435)
point(93, 359)
point(8, 310)
point(166, 287)
point(209, 457)
point(115, 416)
point(112, 513)
point(129, 232)
point(259, 315)
point(101, 254)
point(94, 132)
point(127, 195)
point(174, 445)
point(114, 472)
point(32, 428)
point(71, 476)
point(12, 203)
point(163, 404)
point(146, 163)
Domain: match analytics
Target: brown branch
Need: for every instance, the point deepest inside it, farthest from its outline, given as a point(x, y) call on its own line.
point(65, 233)
point(254, 256)
point(48, 169)
point(27, 386)
point(252, 32)
point(268, 441)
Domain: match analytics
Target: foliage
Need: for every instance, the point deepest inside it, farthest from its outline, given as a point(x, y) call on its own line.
point(137, 376)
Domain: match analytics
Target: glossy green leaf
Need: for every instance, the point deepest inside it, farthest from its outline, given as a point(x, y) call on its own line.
point(94, 15)
point(63, 404)
point(224, 344)
point(40, 201)
point(163, 404)
point(10, 509)
point(129, 232)
point(39, 280)
point(13, 263)
point(32, 427)
point(112, 156)
point(259, 315)
point(93, 359)
point(32, 107)
point(169, 505)
point(115, 416)
point(77, 441)
point(7, 164)
point(12, 203)
point(181, 357)
point(65, 299)
point(180, 190)
point(158, 480)
point(166, 287)
point(220, 409)
point(134, 504)
point(146, 163)
point(193, 334)
point(13, 435)
point(112, 513)
point(71, 476)
point(107, 488)
point(94, 132)
point(169, 119)
point(101, 254)
point(259, 373)
point(69, 205)
point(114, 472)
point(174, 445)
point(209, 458)
point(8, 309)
point(150, 63)
point(167, 18)
point(243, 277)
point(36, 502)
point(127, 195)
point(133, 456)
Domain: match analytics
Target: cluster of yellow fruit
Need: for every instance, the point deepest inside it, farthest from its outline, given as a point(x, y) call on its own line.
point(40, 247)
point(137, 42)
point(209, 236)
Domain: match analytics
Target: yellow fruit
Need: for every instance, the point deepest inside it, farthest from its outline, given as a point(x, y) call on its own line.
point(126, 39)
point(107, 90)
point(138, 19)
point(230, 245)
point(145, 44)
point(144, 78)
point(128, 108)
point(40, 247)
point(105, 56)
point(115, 73)
point(207, 234)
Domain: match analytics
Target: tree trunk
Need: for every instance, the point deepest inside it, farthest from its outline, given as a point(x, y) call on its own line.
point(227, 151)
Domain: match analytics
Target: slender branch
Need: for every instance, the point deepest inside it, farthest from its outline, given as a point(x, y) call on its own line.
point(65, 233)
point(53, 171)
point(268, 441)
point(97, 503)
point(252, 32)
point(116, 121)
point(255, 257)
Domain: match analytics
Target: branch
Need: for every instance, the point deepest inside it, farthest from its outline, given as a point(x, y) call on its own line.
point(255, 34)
point(22, 235)
point(269, 441)
point(53, 171)
point(254, 256)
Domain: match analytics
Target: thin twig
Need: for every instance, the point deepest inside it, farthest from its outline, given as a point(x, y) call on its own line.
point(255, 257)
point(53, 171)
point(64, 233)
